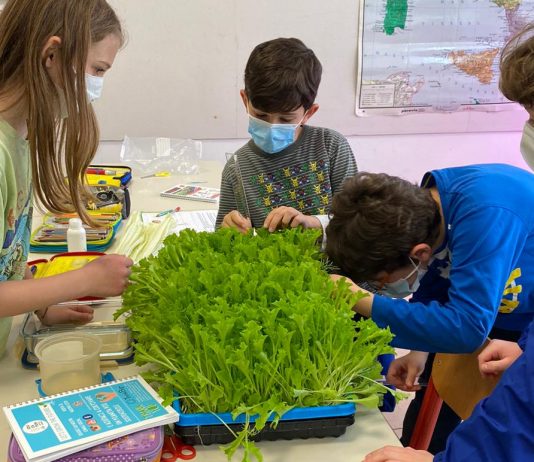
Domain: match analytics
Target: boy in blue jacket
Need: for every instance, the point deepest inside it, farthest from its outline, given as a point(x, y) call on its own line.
point(501, 427)
point(462, 244)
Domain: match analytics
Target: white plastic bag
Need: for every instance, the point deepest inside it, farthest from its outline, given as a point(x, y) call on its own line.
point(151, 155)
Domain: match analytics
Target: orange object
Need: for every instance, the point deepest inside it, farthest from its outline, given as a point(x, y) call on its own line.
point(427, 418)
point(174, 449)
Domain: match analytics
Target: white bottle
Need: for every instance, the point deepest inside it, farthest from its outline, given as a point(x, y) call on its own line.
point(76, 240)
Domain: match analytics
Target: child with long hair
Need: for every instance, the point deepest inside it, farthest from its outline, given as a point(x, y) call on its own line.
point(53, 55)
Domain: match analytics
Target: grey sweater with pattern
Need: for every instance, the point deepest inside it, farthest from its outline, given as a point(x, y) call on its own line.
point(304, 176)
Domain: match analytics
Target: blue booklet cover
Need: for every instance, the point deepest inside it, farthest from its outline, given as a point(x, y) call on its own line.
point(53, 427)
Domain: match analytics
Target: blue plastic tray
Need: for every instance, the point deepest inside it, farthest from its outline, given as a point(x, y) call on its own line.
point(299, 413)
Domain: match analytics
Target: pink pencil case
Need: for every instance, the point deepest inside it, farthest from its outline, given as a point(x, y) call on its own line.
point(144, 446)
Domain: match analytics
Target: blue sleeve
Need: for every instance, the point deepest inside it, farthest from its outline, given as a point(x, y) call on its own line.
point(525, 335)
point(485, 244)
point(502, 425)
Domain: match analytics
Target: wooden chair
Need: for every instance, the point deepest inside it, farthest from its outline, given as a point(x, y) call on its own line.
point(455, 380)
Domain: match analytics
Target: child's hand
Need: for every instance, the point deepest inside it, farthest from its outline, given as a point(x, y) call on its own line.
point(497, 357)
point(404, 371)
point(108, 275)
point(52, 315)
point(288, 217)
point(235, 220)
point(398, 454)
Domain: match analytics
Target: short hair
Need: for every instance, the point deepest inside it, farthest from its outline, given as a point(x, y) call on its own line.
point(376, 220)
point(282, 75)
point(517, 68)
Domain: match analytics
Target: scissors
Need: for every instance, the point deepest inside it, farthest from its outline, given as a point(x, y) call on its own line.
point(174, 449)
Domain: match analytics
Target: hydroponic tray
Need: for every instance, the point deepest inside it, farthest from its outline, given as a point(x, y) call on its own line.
point(299, 423)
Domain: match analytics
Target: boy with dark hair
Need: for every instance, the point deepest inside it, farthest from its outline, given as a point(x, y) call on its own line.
point(502, 426)
point(286, 175)
point(462, 244)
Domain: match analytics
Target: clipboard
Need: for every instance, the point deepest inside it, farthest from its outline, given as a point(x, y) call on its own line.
point(459, 382)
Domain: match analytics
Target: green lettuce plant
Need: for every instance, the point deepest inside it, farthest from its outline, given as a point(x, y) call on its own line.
point(251, 324)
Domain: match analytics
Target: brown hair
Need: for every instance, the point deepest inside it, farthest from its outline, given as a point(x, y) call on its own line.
point(282, 75)
point(25, 27)
point(376, 220)
point(517, 68)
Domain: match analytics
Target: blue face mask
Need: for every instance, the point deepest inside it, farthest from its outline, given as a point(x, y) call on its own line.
point(402, 288)
point(271, 138)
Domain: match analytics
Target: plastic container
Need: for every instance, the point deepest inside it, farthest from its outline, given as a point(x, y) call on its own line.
point(76, 239)
point(145, 446)
point(305, 422)
point(69, 361)
point(115, 335)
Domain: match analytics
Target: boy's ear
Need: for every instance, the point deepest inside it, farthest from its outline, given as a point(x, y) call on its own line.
point(422, 252)
point(309, 113)
point(244, 98)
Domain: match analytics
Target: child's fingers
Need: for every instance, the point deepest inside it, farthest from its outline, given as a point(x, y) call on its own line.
point(396, 377)
point(83, 309)
point(489, 353)
point(411, 377)
point(289, 216)
point(495, 367)
point(235, 220)
point(281, 217)
point(273, 220)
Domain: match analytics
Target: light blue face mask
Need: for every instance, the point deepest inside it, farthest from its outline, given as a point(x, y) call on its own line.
point(527, 144)
point(272, 138)
point(94, 86)
point(401, 288)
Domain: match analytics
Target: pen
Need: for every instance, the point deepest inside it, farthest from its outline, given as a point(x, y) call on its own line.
point(166, 212)
point(100, 171)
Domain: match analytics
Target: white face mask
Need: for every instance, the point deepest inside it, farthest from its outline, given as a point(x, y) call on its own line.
point(401, 288)
point(94, 86)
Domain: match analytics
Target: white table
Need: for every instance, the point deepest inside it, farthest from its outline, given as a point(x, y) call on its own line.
point(17, 384)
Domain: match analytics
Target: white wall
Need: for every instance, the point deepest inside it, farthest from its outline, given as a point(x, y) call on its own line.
point(182, 68)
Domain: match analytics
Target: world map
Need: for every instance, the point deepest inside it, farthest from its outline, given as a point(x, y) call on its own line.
point(434, 55)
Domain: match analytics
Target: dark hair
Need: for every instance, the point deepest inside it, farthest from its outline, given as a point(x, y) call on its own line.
point(517, 68)
point(282, 75)
point(376, 220)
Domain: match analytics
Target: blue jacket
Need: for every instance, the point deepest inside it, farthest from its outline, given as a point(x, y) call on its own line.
point(501, 427)
point(484, 272)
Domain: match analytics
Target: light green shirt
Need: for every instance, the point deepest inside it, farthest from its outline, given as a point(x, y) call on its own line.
point(15, 210)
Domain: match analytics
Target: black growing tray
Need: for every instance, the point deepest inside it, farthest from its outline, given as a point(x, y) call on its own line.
point(286, 430)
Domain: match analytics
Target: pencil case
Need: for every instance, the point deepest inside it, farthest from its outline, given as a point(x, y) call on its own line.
point(109, 185)
point(145, 446)
point(61, 263)
point(51, 236)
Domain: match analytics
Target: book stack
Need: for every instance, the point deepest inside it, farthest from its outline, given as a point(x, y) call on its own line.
point(56, 426)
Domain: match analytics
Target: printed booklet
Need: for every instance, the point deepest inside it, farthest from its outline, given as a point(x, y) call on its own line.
point(192, 192)
point(53, 427)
